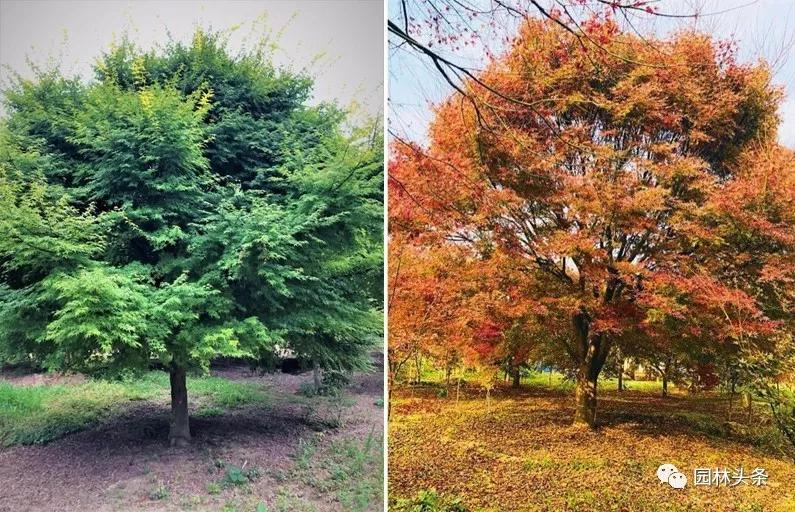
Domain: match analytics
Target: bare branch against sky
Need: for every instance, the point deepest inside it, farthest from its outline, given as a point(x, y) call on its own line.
point(345, 35)
point(762, 28)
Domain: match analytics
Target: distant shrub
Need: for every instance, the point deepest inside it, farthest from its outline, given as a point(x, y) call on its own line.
point(307, 389)
point(334, 382)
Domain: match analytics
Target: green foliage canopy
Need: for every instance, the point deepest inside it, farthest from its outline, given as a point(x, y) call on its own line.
point(186, 204)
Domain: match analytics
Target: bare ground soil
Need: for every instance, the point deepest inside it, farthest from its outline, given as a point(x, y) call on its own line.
point(120, 464)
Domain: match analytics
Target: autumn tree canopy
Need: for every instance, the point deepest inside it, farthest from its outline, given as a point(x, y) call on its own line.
point(621, 185)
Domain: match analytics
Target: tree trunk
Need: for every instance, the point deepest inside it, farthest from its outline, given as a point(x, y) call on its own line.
point(592, 351)
point(665, 374)
point(517, 378)
point(179, 433)
point(620, 361)
point(317, 381)
point(389, 395)
point(749, 403)
point(585, 395)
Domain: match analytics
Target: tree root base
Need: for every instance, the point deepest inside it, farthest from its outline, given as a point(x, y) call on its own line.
point(179, 442)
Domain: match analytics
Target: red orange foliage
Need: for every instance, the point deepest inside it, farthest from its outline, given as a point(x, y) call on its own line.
point(634, 190)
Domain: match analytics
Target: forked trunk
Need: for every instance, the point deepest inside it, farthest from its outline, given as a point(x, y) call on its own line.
point(592, 352)
point(179, 433)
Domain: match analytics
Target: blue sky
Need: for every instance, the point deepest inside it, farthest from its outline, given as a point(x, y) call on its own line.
point(764, 28)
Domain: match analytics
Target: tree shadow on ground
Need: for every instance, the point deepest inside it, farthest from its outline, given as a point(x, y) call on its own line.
point(643, 413)
point(86, 463)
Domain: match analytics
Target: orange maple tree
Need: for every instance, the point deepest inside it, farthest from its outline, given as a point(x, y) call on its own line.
point(606, 192)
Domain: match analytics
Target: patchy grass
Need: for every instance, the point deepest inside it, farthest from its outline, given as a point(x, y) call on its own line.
point(306, 449)
point(428, 501)
point(208, 412)
point(226, 393)
point(288, 502)
point(39, 414)
point(351, 469)
point(159, 492)
point(356, 472)
point(519, 452)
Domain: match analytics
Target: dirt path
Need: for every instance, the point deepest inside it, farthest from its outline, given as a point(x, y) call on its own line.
point(125, 463)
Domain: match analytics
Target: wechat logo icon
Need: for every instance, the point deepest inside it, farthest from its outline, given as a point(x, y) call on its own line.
point(667, 473)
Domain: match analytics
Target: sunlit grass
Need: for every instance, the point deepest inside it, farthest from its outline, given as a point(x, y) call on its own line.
point(548, 379)
point(42, 413)
point(37, 414)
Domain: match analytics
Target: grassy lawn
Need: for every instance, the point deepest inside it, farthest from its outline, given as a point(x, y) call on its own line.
point(42, 413)
point(519, 452)
point(550, 380)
